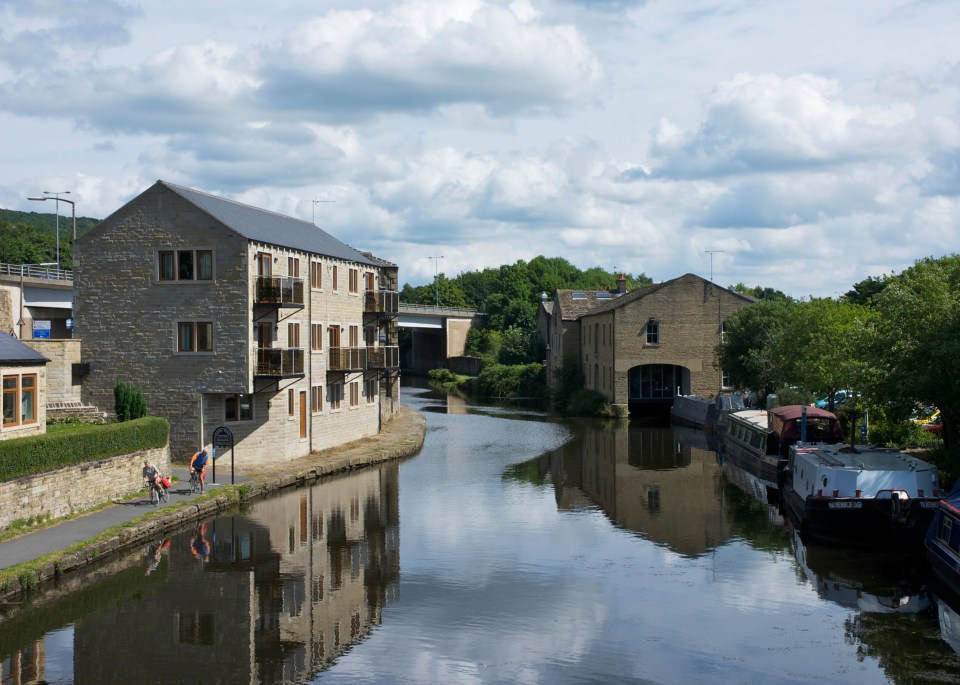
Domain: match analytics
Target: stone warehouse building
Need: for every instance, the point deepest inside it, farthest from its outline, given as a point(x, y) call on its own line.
point(229, 315)
point(639, 349)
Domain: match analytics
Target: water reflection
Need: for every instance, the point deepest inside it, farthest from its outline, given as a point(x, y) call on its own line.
point(272, 595)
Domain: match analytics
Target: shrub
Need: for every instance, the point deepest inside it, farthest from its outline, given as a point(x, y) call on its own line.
point(38, 453)
point(442, 376)
point(509, 382)
point(585, 402)
point(128, 402)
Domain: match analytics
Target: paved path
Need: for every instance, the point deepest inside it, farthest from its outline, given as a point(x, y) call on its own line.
point(60, 536)
point(400, 437)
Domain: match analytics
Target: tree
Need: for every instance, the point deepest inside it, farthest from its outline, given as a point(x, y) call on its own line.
point(915, 343)
point(750, 351)
point(128, 402)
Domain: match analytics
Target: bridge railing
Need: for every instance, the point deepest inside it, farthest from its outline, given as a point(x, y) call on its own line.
point(36, 271)
point(433, 309)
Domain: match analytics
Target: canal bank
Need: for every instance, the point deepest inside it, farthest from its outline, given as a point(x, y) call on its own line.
point(116, 527)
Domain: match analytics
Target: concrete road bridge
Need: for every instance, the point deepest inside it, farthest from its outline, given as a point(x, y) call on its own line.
point(437, 334)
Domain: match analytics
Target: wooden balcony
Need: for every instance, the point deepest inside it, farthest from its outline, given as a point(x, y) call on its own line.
point(279, 362)
point(363, 358)
point(385, 302)
point(280, 291)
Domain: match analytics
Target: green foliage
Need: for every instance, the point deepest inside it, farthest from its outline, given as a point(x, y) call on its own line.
point(759, 292)
point(128, 401)
point(511, 382)
point(584, 402)
point(442, 376)
point(74, 445)
point(569, 379)
point(31, 237)
point(515, 346)
point(483, 342)
point(510, 294)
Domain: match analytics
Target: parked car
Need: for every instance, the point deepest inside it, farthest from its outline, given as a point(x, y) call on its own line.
point(839, 397)
point(936, 425)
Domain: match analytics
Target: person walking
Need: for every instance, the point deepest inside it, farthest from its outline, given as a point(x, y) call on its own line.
point(198, 465)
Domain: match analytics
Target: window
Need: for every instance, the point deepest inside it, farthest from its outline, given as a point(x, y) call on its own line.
point(316, 399)
point(238, 408)
point(354, 394)
point(263, 264)
point(293, 335)
point(354, 336)
point(195, 336)
point(726, 381)
point(167, 270)
point(653, 332)
point(353, 276)
point(291, 405)
point(334, 275)
point(369, 335)
point(293, 267)
point(316, 336)
point(370, 390)
point(369, 281)
point(185, 265)
point(316, 275)
point(19, 399)
point(335, 395)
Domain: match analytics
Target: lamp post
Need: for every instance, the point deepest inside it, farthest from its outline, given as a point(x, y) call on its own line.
point(436, 282)
point(56, 196)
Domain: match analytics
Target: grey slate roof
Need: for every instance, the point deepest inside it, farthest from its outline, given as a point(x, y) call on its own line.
point(13, 352)
point(263, 226)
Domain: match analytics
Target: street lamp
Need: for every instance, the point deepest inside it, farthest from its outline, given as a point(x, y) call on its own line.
point(436, 283)
point(56, 196)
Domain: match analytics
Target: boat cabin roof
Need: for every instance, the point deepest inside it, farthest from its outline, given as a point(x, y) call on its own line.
point(756, 417)
point(866, 458)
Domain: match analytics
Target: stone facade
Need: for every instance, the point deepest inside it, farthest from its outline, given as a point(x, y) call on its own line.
point(62, 387)
point(685, 315)
point(74, 489)
point(131, 321)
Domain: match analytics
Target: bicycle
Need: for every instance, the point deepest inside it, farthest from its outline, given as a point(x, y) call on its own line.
point(194, 481)
point(156, 493)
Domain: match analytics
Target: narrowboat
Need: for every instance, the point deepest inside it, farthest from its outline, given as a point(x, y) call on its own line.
point(865, 496)
point(943, 540)
point(693, 411)
point(757, 440)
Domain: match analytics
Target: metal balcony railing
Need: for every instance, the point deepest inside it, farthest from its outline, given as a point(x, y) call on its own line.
point(384, 357)
point(279, 362)
point(282, 291)
point(347, 359)
point(381, 302)
point(363, 358)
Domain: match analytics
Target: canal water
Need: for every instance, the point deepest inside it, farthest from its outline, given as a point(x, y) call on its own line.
point(514, 548)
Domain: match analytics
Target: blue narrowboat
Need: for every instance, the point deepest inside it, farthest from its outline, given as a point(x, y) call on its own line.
point(943, 540)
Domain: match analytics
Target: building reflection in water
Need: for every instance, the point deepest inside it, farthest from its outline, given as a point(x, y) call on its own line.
point(285, 589)
point(662, 482)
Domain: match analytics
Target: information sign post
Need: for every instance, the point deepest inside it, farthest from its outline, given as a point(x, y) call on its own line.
point(222, 439)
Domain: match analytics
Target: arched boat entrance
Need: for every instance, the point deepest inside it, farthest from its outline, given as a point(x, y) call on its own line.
point(652, 387)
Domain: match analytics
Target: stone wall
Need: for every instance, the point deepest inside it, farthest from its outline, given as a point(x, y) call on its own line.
point(74, 489)
point(62, 387)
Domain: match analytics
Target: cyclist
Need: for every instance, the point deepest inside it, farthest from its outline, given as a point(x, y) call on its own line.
point(198, 465)
point(151, 477)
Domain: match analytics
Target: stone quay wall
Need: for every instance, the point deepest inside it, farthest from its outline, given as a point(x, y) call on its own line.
point(76, 488)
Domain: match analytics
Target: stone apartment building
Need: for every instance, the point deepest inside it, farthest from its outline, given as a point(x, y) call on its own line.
point(641, 348)
point(229, 315)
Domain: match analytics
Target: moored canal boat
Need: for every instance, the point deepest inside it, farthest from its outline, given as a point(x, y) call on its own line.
point(693, 411)
point(866, 497)
point(943, 540)
point(757, 440)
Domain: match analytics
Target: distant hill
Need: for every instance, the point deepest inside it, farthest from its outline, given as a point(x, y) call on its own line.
point(31, 237)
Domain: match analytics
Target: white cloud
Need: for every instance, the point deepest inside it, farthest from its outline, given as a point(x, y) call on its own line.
point(620, 133)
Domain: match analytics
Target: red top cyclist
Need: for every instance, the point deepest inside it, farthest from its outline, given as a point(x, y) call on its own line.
point(198, 464)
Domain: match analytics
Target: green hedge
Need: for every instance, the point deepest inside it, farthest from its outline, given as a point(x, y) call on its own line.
point(38, 453)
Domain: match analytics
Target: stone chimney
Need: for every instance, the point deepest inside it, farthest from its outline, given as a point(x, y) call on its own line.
point(622, 284)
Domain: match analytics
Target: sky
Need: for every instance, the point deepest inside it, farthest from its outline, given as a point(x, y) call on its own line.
point(799, 145)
